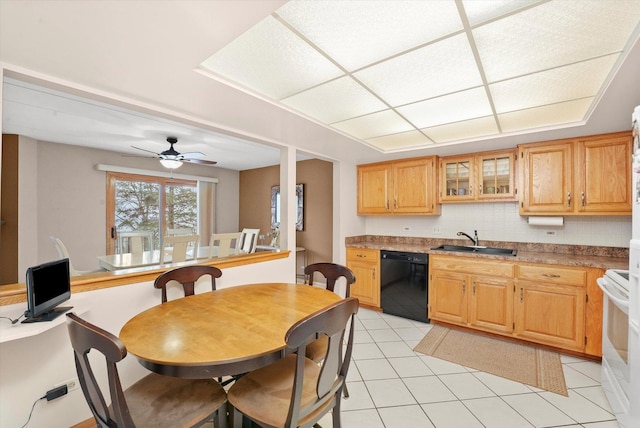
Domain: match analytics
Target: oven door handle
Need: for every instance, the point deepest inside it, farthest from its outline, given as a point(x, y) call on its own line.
point(622, 303)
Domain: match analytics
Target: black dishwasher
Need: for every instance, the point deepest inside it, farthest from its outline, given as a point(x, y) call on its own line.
point(403, 284)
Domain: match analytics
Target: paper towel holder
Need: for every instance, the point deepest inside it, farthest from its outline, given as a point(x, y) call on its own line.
point(546, 221)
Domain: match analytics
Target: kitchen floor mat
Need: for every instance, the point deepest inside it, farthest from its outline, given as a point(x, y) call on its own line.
point(522, 363)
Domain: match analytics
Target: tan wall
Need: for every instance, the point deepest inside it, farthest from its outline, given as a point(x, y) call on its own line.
point(317, 177)
point(69, 199)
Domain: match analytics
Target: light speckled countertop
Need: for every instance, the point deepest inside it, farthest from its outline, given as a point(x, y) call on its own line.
point(570, 255)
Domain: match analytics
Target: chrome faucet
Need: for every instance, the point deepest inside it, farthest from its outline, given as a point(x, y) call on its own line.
point(474, 239)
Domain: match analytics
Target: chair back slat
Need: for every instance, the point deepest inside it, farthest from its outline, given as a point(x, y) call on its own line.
point(179, 246)
point(249, 240)
point(187, 276)
point(332, 272)
point(224, 244)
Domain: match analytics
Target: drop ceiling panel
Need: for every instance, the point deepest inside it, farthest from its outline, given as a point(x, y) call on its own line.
point(572, 82)
point(403, 140)
point(441, 68)
point(449, 108)
point(545, 116)
point(463, 131)
point(272, 61)
point(553, 34)
point(482, 11)
point(357, 34)
point(374, 125)
point(335, 101)
point(378, 70)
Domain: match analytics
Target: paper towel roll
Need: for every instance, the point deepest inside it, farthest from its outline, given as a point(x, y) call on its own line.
point(546, 221)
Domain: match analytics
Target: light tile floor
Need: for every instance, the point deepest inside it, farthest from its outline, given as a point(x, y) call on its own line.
point(391, 386)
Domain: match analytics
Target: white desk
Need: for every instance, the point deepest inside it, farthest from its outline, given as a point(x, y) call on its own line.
point(9, 332)
point(146, 258)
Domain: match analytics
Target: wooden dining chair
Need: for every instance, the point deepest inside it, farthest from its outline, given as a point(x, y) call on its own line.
point(224, 244)
point(331, 272)
point(179, 247)
point(295, 391)
point(187, 276)
point(154, 400)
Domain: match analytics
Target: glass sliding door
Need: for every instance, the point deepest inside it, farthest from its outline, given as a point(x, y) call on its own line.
point(148, 206)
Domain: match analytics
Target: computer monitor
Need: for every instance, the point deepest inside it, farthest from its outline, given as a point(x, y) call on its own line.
point(48, 285)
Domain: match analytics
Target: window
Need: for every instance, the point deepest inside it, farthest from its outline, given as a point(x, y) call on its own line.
point(149, 205)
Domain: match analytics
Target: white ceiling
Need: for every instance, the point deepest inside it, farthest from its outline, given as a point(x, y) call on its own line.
point(49, 115)
point(112, 74)
point(417, 73)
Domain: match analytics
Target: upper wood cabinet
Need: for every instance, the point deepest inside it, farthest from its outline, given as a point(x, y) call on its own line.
point(399, 187)
point(590, 175)
point(488, 176)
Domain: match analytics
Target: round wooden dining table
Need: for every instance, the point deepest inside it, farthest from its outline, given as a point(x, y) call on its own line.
point(223, 332)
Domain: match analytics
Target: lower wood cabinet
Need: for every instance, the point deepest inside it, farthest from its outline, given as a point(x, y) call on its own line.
point(555, 305)
point(471, 292)
point(551, 314)
point(365, 265)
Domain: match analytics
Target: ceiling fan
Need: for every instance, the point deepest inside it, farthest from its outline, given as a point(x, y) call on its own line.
point(172, 159)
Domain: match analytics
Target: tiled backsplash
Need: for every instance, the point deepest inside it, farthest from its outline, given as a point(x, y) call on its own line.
point(501, 222)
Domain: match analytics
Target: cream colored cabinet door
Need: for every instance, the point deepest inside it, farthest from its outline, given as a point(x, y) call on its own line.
point(491, 303)
point(550, 314)
point(546, 179)
point(374, 185)
point(414, 183)
point(604, 174)
point(365, 265)
point(448, 296)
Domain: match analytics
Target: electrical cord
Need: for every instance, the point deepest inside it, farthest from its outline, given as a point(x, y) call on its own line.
point(13, 321)
point(32, 407)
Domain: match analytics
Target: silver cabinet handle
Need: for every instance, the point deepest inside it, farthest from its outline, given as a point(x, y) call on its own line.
point(583, 199)
point(550, 275)
point(569, 199)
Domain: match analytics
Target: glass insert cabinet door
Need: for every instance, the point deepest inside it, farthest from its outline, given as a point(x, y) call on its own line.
point(496, 176)
point(458, 178)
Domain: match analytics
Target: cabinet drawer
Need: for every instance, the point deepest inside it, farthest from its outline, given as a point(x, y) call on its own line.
point(472, 266)
point(370, 255)
point(553, 274)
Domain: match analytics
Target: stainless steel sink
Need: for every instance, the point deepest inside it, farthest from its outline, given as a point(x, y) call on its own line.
point(479, 249)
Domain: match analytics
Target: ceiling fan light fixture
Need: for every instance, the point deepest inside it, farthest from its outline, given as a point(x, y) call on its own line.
point(171, 163)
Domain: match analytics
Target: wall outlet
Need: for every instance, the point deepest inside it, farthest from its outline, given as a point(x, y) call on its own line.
point(71, 384)
point(436, 231)
point(551, 233)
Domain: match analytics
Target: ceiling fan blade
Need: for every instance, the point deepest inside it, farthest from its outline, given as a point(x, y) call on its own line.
point(192, 155)
point(140, 156)
point(145, 150)
point(200, 161)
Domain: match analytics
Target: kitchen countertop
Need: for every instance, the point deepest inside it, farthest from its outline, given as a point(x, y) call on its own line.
point(569, 255)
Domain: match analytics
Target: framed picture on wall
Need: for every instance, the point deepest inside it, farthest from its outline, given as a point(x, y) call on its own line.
point(299, 204)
